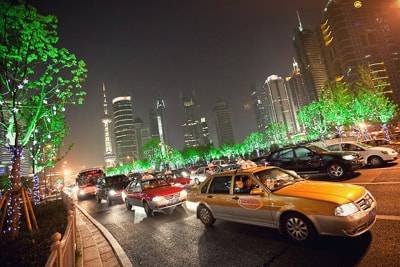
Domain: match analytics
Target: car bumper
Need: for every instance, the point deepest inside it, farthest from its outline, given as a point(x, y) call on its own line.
point(157, 206)
point(350, 226)
point(355, 165)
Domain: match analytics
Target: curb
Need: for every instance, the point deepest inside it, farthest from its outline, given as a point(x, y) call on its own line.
point(116, 247)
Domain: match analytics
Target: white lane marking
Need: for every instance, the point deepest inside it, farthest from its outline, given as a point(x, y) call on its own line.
point(377, 183)
point(388, 217)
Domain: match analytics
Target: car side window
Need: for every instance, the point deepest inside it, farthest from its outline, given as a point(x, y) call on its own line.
point(205, 187)
point(220, 185)
point(286, 154)
point(137, 187)
point(351, 147)
point(303, 153)
point(334, 147)
point(243, 185)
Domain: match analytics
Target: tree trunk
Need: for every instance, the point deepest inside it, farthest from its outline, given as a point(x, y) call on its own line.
point(14, 213)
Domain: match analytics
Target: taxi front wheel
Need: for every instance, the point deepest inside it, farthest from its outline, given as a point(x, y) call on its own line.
point(298, 228)
point(205, 215)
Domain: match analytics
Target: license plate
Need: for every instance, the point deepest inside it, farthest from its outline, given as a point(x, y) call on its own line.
point(173, 201)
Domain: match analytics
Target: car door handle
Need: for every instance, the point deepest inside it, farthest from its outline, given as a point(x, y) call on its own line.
point(210, 196)
point(235, 198)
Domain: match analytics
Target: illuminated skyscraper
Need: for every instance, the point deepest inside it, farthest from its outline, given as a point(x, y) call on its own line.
point(192, 126)
point(260, 106)
point(281, 108)
point(311, 62)
point(297, 90)
point(124, 129)
point(357, 33)
point(223, 123)
point(205, 132)
point(109, 155)
point(158, 125)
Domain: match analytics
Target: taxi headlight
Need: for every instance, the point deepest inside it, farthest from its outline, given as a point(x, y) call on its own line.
point(157, 198)
point(82, 192)
point(183, 194)
point(348, 157)
point(112, 192)
point(346, 209)
point(185, 174)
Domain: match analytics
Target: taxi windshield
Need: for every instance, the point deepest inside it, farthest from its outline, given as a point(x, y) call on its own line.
point(154, 183)
point(276, 178)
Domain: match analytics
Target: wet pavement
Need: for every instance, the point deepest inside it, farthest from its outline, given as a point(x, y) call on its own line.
point(180, 239)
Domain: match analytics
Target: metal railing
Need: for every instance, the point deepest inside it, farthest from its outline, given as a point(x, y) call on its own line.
point(63, 248)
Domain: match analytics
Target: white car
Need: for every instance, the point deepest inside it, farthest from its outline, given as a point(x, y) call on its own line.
point(200, 174)
point(373, 155)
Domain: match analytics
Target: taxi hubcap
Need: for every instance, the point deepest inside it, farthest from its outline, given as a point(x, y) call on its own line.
point(297, 229)
point(336, 170)
point(205, 215)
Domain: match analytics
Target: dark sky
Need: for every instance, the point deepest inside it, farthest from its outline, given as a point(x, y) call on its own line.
point(143, 48)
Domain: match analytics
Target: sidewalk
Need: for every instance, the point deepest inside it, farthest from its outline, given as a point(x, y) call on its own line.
point(93, 249)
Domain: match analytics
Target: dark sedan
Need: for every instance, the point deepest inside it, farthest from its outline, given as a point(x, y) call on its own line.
point(110, 188)
point(311, 159)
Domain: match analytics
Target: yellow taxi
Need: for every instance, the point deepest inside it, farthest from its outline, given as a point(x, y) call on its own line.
point(277, 198)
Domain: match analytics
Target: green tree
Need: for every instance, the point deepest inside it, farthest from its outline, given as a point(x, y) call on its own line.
point(37, 79)
point(276, 133)
point(312, 117)
point(256, 141)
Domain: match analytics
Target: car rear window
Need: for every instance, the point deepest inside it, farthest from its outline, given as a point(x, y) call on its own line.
point(220, 185)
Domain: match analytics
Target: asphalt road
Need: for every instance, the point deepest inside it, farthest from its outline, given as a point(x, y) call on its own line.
point(179, 239)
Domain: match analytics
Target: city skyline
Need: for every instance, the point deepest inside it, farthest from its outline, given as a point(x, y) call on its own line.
point(143, 51)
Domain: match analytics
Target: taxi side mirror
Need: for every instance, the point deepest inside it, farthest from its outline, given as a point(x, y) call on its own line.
point(257, 192)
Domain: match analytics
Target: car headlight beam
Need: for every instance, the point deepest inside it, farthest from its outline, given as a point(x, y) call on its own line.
point(346, 209)
point(112, 192)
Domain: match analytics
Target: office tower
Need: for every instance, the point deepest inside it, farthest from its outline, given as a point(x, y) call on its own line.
point(260, 106)
point(205, 132)
point(357, 33)
point(311, 62)
point(281, 109)
point(297, 89)
point(124, 130)
point(223, 123)
point(158, 125)
point(191, 126)
point(109, 155)
point(142, 135)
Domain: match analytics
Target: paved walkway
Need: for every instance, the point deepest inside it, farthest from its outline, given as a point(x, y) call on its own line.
point(93, 248)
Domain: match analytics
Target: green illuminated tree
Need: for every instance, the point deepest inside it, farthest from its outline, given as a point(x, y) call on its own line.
point(256, 141)
point(276, 133)
point(38, 80)
point(312, 117)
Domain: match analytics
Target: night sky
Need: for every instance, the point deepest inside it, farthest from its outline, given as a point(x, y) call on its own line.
point(218, 48)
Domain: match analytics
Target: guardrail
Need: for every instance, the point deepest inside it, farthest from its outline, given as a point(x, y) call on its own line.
point(63, 247)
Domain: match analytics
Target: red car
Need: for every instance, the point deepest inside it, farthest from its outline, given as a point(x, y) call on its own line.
point(153, 195)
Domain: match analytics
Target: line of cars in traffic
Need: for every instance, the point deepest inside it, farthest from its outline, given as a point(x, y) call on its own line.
point(268, 193)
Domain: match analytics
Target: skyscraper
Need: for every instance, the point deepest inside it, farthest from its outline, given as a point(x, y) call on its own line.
point(311, 62)
point(260, 106)
point(205, 132)
point(124, 130)
point(357, 33)
point(109, 155)
point(297, 91)
point(223, 123)
point(281, 108)
point(158, 125)
point(191, 126)
point(142, 135)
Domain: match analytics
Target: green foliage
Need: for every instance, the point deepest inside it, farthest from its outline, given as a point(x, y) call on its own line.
point(276, 133)
point(38, 79)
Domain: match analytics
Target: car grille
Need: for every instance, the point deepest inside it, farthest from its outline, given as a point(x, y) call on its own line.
point(365, 202)
point(172, 196)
